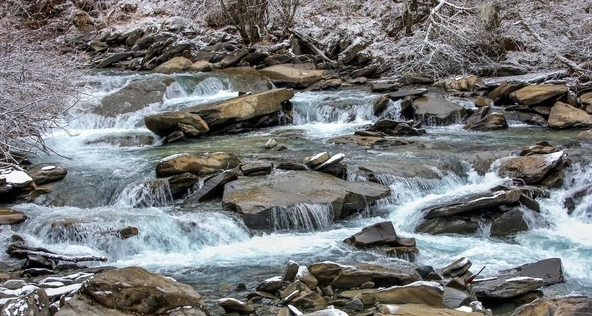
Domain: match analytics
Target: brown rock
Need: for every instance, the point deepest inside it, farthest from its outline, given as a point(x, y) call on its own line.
point(244, 108)
point(533, 95)
point(532, 169)
point(561, 306)
point(178, 164)
point(564, 115)
point(163, 124)
point(201, 65)
point(133, 291)
point(11, 217)
point(176, 64)
point(347, 276)
point(289, 76)
point(419, 310)
point(426, 293)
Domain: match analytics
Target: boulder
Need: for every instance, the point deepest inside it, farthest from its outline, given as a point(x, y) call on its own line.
point(422, 292)
point(449, 225)
point(316, 160)
point(163, 124)
point(289, 76)
point(244, 108)
point(380, 104)
point(133, 291)
point(419, 310)
point(473, 202)
point(176, 64)
point(212, 188)
point(540, 148)
point(415, 78)
point(464, 83)
point(380, 234)
point(559, 306)
point(348, 276)
point(306, 277)
point(501, 94)
point(434, 111)
point(11, 217)
point(231, 305)
point(298, 294)
point(135, 96)
point(256, 168)
point(457, 268)
point(509, 223)
point(201, 65)
point(33, 302)
point(326, 85)
point(43, 174)
point(257, 198)
point(506, 288)
point(331, 162)
point(271, 285)
point(564, 116)
point(532, 169)
point(233, 59)
point(549, 270)
point(196, 164)
point(492, 121)
point(381, 87)
point(180, 183)
point(533, 95)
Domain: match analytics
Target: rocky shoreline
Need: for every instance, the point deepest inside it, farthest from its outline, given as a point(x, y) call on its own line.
point(262, 191)
point(252, 189)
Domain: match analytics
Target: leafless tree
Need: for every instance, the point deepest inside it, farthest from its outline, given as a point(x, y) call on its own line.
point(36, 87)
point(286, 10)
point(248, 16)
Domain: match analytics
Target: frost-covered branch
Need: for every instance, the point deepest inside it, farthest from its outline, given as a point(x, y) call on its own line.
point(36, 87)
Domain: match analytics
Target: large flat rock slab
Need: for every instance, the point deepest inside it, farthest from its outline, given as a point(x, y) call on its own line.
point(256, 197)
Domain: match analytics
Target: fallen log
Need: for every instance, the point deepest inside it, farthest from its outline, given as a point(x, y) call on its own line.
point(307, 42)
point(53, 256)
point(20, 251)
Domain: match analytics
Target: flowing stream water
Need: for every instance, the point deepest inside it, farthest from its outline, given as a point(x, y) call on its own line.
point(106, 189)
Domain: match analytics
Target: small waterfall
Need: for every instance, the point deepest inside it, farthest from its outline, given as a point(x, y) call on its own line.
point(340, 107)
point(151, 193)
point(392, 111)
point(94, 231)
point(404, 190)
point(302, 217)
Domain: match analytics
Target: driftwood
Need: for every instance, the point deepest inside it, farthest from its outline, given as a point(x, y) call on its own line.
point(22, 251)
point(307, 42)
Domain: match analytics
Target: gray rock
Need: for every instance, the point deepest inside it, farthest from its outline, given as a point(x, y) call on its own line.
point(549, 270)
point(434, 111)
point(509, 223)
point(457, 268)
point(506, 288)
point(135, 96)
point(231, 305)
point(212, 188)
point(257, 169)
point(473, 202)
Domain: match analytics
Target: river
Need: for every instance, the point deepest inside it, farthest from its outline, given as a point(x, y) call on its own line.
point(211, 249)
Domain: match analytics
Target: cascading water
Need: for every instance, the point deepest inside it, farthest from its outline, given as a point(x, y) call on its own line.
point(109, 188)
point(302, 217)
